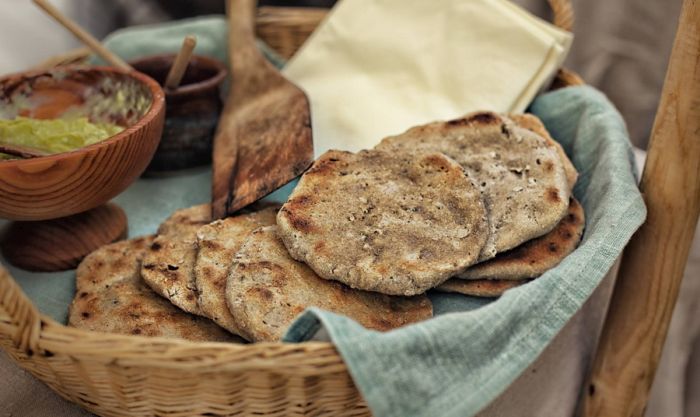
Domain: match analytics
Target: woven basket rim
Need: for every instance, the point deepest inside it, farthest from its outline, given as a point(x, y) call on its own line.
point(198, 357)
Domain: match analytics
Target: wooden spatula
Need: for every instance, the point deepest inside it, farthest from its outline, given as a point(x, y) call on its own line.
point(264, 136)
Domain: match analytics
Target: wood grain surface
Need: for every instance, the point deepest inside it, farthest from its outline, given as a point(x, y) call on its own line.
point(653, 263)
point(60, 244)
point(264, 135)
point(59, 185)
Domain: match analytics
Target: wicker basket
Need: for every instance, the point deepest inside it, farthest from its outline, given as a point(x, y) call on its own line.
point(114, 375)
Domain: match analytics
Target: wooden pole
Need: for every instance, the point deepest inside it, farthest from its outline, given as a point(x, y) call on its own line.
point(83, 36)
point(182, 59)
point(653, 263)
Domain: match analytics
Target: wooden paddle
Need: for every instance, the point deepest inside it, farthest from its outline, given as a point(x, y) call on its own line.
point(264, 136)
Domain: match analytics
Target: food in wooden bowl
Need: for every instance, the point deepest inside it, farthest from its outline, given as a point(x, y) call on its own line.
point(91, 164)
point(192, 113)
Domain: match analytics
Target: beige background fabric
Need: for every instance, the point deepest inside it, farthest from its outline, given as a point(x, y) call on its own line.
point(622, 47)
point(21, 395)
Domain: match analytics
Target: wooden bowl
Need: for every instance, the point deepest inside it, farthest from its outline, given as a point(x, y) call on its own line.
point(192, 110)
point(72, 182)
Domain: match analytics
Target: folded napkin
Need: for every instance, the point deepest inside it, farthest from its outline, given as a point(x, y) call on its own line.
point(461, 360)
point(377, 67)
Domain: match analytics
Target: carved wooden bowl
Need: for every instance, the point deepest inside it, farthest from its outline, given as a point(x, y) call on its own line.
point(72, 182)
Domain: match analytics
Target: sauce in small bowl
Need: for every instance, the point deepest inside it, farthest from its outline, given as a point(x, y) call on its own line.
point(192, 111)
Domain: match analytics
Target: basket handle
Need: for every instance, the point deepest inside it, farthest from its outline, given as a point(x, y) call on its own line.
point(563, 14)
point(23, 315)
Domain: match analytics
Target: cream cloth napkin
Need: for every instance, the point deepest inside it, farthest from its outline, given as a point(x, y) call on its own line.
point(377, 67)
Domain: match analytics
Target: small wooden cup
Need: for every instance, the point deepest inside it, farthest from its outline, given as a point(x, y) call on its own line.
point(192, 111)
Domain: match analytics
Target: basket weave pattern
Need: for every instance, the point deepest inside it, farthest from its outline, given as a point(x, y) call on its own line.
point(114, 375)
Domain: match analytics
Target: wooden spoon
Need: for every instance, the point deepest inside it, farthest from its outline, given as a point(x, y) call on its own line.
point(264, 136)
point(83, 36)
point(23, 152)
point(177, 71)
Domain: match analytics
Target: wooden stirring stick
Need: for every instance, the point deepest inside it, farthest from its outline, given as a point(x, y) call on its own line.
point(21, 151)
point(177, 71)
point(83, 36)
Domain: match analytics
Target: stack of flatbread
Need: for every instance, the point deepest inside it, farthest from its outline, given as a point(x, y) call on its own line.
point(228, 280)
point(476, 205)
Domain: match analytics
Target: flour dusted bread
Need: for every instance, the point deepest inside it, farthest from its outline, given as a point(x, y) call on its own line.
point(488, 288)
point(218, 243)
point(520, 265)
point(186, 220)
point(535, 257)
point(395, 223)
point(534, 124)
point(524, 183)
point(112, 298)
point(267, 289)
point(476, 206)
point(168, 266)
point(112, 263)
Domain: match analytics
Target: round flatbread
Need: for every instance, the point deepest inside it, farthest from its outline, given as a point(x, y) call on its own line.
point(267, 289)
point(111, 263)
point(112, 298)
point(218, 243)
point(533, 123)
point(168, 266)
point(186, 220)
point(488, 288)
point(523, 180)
point(537, 256)
point(395, 224)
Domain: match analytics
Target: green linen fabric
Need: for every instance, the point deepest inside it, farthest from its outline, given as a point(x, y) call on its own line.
point(459, 361)
point(211, 33)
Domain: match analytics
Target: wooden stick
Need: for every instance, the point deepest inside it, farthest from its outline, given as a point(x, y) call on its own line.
point(20, 151)
point(653, 263)
point(83, 36)
point(177, 71)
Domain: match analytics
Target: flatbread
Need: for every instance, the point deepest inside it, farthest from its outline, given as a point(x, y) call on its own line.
point(218, 243)
point(533, 123)
point(395, 224)
point(186, 220)
point(537, 256)
point(479, 288)
point(112, 298)
point(267, 289)
point(168, 267)
point(111, 263)
point(522, 177)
